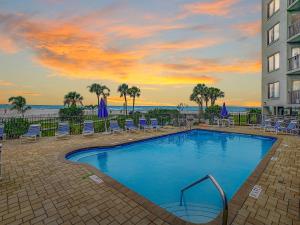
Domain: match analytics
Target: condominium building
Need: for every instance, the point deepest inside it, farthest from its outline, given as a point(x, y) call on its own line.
point(281, 57)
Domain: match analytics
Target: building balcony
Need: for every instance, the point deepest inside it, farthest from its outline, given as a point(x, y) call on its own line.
point(294, 97)
point(294, 32)
point(294, 65)
point(293, 5)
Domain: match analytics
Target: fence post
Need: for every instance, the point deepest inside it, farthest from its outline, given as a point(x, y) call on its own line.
point(239, 119)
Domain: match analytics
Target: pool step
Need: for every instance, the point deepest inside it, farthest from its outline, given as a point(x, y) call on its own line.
point(194, 212)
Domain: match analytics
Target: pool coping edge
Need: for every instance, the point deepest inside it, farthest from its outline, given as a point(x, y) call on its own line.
point(235, 204)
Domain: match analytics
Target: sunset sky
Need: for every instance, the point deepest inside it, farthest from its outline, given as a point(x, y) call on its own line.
point(51, 47)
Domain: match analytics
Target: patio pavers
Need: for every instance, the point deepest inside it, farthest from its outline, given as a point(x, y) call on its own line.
point(39, 188)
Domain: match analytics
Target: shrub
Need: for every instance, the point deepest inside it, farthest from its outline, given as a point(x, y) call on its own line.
point(163, 116)
point(15, 127)
point(212, 111)
point(71, 114)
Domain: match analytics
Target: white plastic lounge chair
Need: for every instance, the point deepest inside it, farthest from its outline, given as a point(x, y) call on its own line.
point(88, 128)
point(274, 128)
point(291, 128)
point(63, 130)
point(129, 125)
point(143, 124)
point(230, 121)
point(2, 134)
point(34, 131)
point(114, 126)
point(267, 124)
point(154, 124)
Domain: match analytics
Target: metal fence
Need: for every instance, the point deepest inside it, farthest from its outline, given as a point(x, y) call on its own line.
point(14, 127)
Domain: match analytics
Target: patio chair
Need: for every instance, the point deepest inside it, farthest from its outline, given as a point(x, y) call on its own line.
point(154, 124)
point(231, 121)
point(143, 124)
point(114, 126)
point(274, 128)
point(34, 131)
point(2, 134)
point(291, 128)
point(88, 128)
point(129, 125)
point(63, 130)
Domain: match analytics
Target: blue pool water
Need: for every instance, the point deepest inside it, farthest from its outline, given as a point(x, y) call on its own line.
point(159, 168)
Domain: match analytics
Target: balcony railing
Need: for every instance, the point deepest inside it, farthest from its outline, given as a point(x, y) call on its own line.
point(290, 2)
point(294, 28)
point(294, 63)
point(295, 97)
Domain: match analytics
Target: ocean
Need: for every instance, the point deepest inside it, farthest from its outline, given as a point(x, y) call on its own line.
point(137, 108)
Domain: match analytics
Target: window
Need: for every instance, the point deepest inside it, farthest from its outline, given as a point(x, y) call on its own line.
point(295, 51)
point(273, 62)
point(273, 34)
point(296, 85)
point(273, 7)
point(273, 90)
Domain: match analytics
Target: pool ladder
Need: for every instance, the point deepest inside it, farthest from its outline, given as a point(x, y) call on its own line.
point(217, 185)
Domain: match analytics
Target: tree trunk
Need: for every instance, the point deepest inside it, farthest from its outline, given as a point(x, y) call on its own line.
point(125, 105)
point(199, 113)
point(133, 103)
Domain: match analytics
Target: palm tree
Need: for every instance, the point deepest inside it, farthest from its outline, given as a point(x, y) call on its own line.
point(198, 97)
point(214, 94)
point(99, 90)
point(105, 92)
point(73, 98)
point(96, 88)
point(134, 92)
point(206, 96)
point(123, 89)
point(19, 103)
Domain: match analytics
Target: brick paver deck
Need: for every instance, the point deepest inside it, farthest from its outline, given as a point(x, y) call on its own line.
point(40, 188)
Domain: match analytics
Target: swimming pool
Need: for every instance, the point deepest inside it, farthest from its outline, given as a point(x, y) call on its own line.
point(159, 168)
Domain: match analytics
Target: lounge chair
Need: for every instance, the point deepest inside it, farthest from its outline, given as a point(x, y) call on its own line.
point(274, 128)
point(143, 124)
point(114, 126)
point(88, 128)
point(129, 125)
point(34, 131)
point(63, 130)
point(2, 134)
point(230, 121)
point(154, 124)
point(291, 128)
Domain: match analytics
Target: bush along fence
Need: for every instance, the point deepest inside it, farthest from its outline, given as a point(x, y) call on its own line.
point(16, 126)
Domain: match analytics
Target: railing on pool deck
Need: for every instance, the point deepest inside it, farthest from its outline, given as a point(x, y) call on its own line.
point(222, 193)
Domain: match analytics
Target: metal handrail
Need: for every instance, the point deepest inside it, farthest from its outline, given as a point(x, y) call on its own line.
point(217, 185)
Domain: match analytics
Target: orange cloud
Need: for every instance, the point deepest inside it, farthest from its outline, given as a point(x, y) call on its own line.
point(5, 94)
point(214, 66)
point(4, 83)
point(242, 103)
point(135, 32)
point(71, 51)
point(212, 8)
point(7, 45)
point(249, 28)
point(183, 45)
point(116, 100)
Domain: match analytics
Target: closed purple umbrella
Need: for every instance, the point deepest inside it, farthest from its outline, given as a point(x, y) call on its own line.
point(224, 112)
point(102, 112)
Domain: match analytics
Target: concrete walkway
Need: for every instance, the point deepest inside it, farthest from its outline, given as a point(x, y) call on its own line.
point(38, 187)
